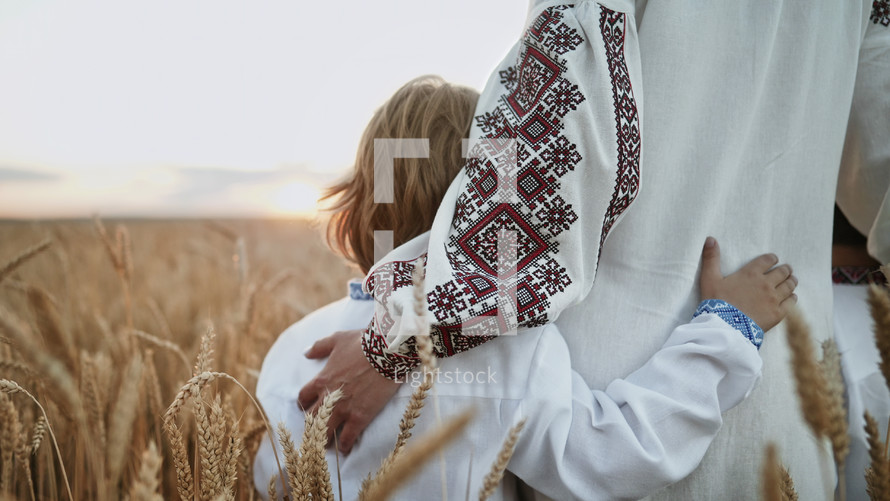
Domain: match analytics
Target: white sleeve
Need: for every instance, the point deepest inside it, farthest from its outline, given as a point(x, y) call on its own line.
point(643, 432)
point(864, 179)
point(553, 165)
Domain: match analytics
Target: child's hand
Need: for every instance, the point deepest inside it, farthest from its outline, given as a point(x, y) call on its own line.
point(759, 290)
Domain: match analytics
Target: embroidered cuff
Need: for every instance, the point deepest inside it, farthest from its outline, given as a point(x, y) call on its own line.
point(356, 292)
point(390, 365)
point(734, 317)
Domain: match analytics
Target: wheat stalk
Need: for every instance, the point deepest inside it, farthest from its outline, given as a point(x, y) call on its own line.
point(145, 487)
point(808, 376)
point(22, 457)
point(879, 304)
point(500, 465)
point(291, 462)
point(163, 343)
point(205, 354)
point(315, 463)
point(184, 479)
point(120, 254)
point(11, 387)
point(231, 456)
point(273, 494)
point(788, 492)
point(209, 447)
point(46, 364)
point(152, 389)
point(771, 475)
point(10, 429)
point(837, 413)
point(37, 434)
point(19, 260)
point(877, 476)
point(94, 403)
point(414, 457)
point(123, 414)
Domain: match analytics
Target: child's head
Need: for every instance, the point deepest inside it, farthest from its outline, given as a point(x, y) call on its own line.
point(426, 107)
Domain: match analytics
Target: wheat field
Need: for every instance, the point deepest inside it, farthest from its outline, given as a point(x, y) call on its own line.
point(102, 323)
point(129, 352)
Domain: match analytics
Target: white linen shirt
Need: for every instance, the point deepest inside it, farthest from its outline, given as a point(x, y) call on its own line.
point(643, 432)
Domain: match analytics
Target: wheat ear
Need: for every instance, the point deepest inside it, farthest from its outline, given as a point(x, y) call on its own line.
point(232, 455)
point(788, 492)
point(314, 462)
point(291, 462)
point(192, 389)
point(123, 414)
point(771, 476)
point(877, 476)
point(145, 487)
point(184, 479)
point(37, 434)
point(210, 439)
point(500, 465)
point(837, 413)
point(10, 430)
point(17, 261)
point(808, 376)
point(11, 387)
point(879, 304)
point(204, 361)
point(414, 457)
point(273, 493)
point(163, 343)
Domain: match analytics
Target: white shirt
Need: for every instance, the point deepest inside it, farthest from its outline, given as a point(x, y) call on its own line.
point(643, 432)
point(756, 115)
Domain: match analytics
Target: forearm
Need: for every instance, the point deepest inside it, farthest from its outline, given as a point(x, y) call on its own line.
point(643, 432)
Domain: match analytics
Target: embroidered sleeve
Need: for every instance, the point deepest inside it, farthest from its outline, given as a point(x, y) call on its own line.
point(734, 317)
point(880, 12)
point(553, 163)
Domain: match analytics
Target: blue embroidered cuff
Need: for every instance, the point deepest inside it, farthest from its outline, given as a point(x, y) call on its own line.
point(735, 318)
point(356, 292)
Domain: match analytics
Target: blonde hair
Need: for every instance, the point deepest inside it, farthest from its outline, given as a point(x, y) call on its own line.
point(426, 107)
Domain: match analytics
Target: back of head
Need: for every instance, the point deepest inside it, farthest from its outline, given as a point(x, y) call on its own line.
point(426, 107)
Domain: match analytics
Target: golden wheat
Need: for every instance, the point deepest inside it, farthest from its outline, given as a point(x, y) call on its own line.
point(145, 487)
point(879, 303)
point(496, 473)
point(837, 412)
point(414, 457)
point(808, 375)
point(17, 261)
point(877, 476)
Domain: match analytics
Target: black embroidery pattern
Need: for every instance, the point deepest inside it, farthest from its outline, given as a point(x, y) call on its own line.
point(627, 122)
point(880, 12)
point(536, 98)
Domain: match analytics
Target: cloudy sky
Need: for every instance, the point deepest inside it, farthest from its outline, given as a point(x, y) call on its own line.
point(216, 107)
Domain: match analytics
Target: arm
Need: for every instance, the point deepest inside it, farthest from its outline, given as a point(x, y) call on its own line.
point(643, 432)
point(568, 94)
point(517, 237)
point(864, 179)
point(653, 427)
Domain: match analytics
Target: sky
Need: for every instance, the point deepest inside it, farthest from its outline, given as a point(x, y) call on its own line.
point(202, 108)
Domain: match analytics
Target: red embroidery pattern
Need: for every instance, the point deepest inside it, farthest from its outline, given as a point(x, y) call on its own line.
point(627, 120)
point(880, 12)
point(857, 275)
point(536, 98)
